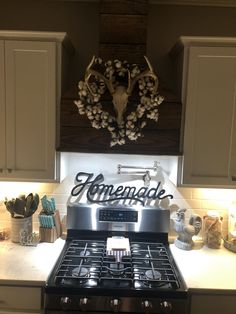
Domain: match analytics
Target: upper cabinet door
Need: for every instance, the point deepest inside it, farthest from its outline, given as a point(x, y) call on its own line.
point(210, 117)
point(2, 109)
point(30, 85)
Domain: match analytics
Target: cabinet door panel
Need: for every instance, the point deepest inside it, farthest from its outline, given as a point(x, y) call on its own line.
point(30, 109)
point(209, 137)
point(2, 108)
point(22, 299)
point(215, 304)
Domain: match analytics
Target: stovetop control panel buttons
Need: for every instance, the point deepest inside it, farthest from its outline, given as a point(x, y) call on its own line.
point(118, 215)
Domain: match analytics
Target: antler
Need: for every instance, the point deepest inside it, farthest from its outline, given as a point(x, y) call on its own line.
point(149, 72)
point(90, 72)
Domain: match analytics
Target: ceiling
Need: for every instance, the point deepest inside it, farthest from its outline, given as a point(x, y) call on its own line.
point(221, 3)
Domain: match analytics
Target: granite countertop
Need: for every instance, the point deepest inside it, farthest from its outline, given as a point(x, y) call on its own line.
point(206, 269)
point(27, 265)
point(202, 268)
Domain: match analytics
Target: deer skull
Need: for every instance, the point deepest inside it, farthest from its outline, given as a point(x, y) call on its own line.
point(120, 100)
point(120, 94)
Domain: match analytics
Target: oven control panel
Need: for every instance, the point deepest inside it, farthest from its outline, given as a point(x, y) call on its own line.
point(107, 215)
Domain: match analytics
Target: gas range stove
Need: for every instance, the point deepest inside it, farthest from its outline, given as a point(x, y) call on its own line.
point(111, 264)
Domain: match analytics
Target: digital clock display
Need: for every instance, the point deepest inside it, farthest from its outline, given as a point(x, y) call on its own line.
point(118, 215)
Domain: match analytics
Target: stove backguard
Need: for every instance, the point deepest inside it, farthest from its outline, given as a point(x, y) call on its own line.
point(117, 218)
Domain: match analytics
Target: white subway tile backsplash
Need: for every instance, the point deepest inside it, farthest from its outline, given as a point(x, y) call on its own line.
point(195, 200)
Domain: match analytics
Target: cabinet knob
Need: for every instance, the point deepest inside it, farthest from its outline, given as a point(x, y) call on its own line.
point(233, 178)
point(1, 170)
point(9, 170)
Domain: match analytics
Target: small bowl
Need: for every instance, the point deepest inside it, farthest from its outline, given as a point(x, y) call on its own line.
point(230, 245)
point(4, 234)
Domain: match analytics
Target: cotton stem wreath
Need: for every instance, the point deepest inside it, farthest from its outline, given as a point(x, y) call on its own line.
point(119, 79)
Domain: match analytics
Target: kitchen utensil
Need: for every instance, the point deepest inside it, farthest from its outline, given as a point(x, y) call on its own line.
point(48, 206)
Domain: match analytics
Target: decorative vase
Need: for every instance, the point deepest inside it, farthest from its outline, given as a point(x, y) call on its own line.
point(18, 225)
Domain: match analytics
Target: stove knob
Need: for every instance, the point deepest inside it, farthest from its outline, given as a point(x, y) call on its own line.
point(115, 304)
point(147, 306)
point(83, 303)
point(166, 307)
point(65, 301)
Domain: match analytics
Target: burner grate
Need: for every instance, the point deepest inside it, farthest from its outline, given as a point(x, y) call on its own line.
point(86, 263)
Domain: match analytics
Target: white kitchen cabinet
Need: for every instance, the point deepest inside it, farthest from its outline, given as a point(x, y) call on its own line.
point(213, 303)
point(30, 88)
point(16, 299)
point(209, 111)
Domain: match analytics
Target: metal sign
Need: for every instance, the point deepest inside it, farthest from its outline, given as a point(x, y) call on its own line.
point(108, 192)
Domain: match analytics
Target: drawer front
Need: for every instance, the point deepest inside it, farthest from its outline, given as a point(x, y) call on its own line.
point(20, 298)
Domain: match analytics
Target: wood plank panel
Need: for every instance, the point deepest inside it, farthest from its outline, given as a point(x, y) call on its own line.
point(122, 29)
point(124, 6)
point(77, 139)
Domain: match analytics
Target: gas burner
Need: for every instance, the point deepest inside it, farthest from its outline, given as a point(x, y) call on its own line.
point(84, 253)
point(152, 274)
point(80, 272)
point(118, 269)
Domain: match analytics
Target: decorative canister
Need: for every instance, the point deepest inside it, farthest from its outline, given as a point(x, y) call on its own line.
point(212, 226)
point(19, 224)
point(232, 223)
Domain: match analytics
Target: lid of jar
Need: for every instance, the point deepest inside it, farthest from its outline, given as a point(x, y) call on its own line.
point(213, 213)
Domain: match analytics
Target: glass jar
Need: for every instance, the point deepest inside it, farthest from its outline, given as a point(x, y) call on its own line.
point(232, 223)
point(212, 229)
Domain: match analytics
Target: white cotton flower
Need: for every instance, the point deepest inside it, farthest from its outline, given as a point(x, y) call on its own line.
point(121, 141)
point(113, 143)
point(80, 84)
point(143, 124)
point(140, 114)
point(122, 132)
point(90, 117)
point(127, 132)
point(96, 98)
point(81, 111)
point(141, 86)
point(160, 99)
point(104, 124)
point(113, 135)
point(99, 60)
point(104, 115)
point(111, 119)
point(129, 124)
point(111, 128)
point(96, 125)
point(84, 92)
point(78, 103)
